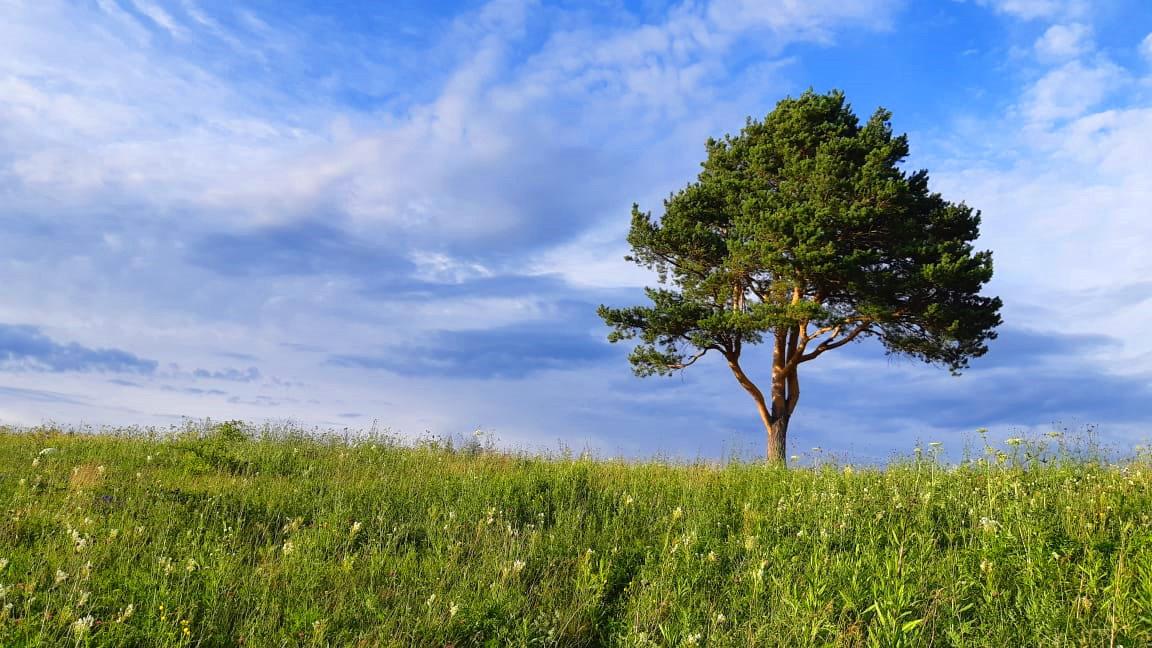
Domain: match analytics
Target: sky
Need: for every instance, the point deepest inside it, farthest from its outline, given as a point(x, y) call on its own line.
point(403, 214)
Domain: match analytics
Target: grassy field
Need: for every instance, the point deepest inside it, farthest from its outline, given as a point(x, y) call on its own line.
point(209, 538)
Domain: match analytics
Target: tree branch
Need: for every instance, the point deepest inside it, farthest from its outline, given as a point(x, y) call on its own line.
point(832, 342)
point(692, 360)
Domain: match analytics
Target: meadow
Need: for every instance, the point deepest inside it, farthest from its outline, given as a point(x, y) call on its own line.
point(229, 536)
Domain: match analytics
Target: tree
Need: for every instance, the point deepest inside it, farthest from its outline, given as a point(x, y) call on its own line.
point(803, 232)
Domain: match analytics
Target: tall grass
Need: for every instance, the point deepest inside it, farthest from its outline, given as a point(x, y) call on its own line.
point(212, 538)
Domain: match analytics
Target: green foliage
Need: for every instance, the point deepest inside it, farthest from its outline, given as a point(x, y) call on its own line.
point(805, 218)
point(804, 229)
point(118, 541)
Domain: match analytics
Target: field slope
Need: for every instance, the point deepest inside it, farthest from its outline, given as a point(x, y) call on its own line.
point(207, 538)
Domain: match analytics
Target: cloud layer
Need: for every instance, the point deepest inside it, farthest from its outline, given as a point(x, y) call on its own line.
point(409, 214)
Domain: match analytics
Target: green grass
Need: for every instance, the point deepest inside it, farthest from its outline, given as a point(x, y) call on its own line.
point(208, 538)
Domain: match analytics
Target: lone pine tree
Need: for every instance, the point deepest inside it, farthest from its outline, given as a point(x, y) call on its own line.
point(803, 232)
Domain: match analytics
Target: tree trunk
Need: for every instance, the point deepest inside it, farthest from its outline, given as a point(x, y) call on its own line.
point(776, 420)
point(777, 439)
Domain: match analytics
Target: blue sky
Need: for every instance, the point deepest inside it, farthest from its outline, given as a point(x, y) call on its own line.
point(407, 212)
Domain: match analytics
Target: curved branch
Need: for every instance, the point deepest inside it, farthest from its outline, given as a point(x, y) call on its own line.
point(691, 361)
point(832, 342)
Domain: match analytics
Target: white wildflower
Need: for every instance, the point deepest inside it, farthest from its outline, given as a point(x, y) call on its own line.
point(288, 547)
point(61, 576)
point(191, 565)
point(692, 639)
point(517, 566)
point(3, 563)
point(356, 527)
point(82, 625)
point(125, 613)
point(453, 609)
point(430, 601)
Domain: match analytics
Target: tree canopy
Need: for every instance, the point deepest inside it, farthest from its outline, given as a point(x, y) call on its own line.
point(804, 232)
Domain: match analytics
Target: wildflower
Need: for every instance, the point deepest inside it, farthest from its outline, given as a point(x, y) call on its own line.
point(61, 576)
point(36, 462)
point(1014, 441)
point(517, 566)
point(288, 547)
point(678, 513)
point(126, 613)
point(83, 599)
point(191, 565)
point(711, 556)
point(82, 625)
point(720, 618)
point(986, 566)
point(430, 601)
point(166, 564)
point(3, 563)
point(356, 527)
point(692, 639)
point(628, 499)
point(989, 525)
point(453, 609)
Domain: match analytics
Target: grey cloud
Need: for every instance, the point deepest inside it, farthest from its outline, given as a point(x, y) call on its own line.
point(26, 348)
point(296, 249)
point(232, 374)
point(509, 352)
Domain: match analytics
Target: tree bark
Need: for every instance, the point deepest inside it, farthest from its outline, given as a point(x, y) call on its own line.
point(777, 440)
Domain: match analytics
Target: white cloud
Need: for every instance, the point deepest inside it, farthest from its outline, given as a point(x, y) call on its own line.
point(160, 17)
point(1146, 47)
point(1070, 90)
point(1035, 9)
point(1062, 42)
point(1067, 219)
point(807, 19)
